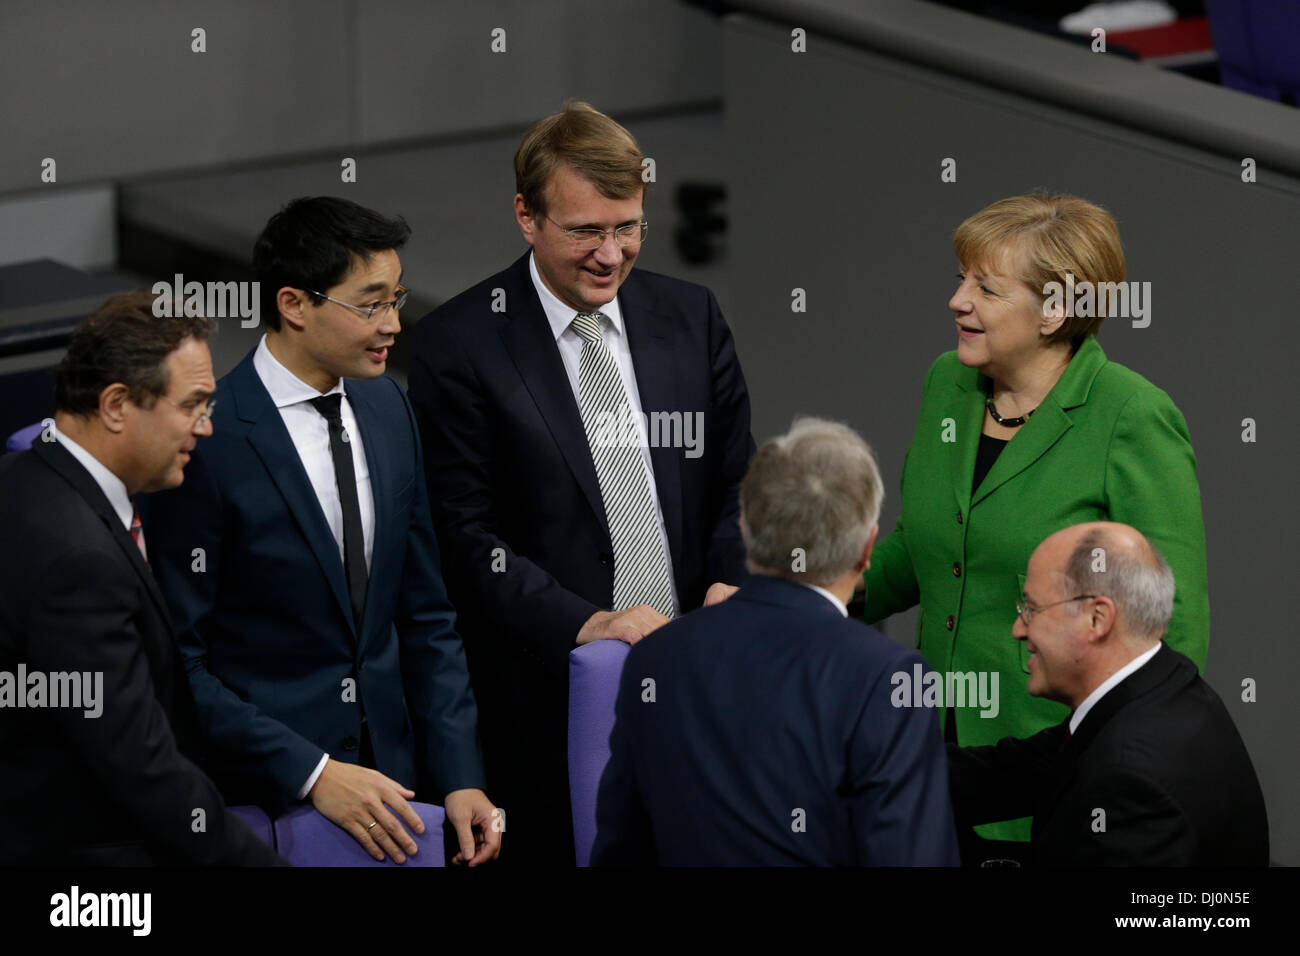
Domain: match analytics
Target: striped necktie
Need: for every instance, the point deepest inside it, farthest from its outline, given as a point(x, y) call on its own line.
point(640, 561)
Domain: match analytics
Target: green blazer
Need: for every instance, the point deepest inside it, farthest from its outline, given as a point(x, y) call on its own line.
point(1105, 444)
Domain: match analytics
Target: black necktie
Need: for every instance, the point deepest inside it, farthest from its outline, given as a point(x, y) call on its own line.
point(345, 476)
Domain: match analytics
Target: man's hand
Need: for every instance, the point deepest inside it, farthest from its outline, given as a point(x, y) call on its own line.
point(472, 815)
point(355, 797)
point(719, 592)
point(628, 626)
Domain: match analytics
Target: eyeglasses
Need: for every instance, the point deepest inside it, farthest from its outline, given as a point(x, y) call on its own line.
point(590, 238)
point(203, 412)
point(369, 310)
point(1027, 610)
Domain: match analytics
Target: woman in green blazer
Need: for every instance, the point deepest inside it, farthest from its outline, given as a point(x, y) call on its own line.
point(1026, 429)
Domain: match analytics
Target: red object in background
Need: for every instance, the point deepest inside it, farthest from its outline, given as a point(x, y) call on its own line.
point(1177, 39)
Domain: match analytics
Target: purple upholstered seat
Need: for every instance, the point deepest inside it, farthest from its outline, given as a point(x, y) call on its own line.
point(305, 838)
point(257, 821)
point(594, 671)
point(22, 439)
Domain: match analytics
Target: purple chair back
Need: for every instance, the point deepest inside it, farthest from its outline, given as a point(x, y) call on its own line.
point(22, 439)
point(594, 671)
point(257, 821)
point(305, 838)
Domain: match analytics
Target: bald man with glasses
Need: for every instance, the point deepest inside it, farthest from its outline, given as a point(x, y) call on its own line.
point(1149, 769)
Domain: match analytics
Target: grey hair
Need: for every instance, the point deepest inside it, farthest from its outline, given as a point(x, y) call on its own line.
point(1140, 584)
point(816, 489)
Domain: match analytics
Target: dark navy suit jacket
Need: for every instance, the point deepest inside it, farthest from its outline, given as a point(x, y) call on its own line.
point(266, 625)
point(518, 509)
point(510, 466)
point(770, 739)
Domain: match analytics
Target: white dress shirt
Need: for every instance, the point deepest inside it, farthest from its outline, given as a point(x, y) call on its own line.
point(311, 437)
point(1105, 686)
point(839, 605)
point(560, 317)
point(113, 487)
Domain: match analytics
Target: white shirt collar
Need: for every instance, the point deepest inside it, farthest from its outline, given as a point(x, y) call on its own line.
point(560, 315)
point(113, 487)
point(1105, 686)
point(285, 387)
point(830, 597)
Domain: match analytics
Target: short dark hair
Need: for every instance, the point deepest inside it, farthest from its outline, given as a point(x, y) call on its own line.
point(311, 244)
point(123, 342)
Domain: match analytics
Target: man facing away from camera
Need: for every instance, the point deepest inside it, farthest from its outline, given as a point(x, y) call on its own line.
point(763, 731)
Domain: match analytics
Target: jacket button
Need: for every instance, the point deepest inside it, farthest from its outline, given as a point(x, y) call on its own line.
point(606, 559)
point(959, 517)
point(348, 743)
point(950, 622)
point(956, 569)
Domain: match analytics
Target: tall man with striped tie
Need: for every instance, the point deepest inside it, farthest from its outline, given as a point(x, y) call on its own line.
point(585, 430)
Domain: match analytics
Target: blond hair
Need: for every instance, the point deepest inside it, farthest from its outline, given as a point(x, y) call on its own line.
point(1042, 238)
point(594, 146)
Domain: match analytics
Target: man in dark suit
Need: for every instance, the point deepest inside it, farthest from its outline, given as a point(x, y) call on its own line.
point(97, 727)
point(1149, 770)
point(300, 560)
point(766, 730)
point(586, 427)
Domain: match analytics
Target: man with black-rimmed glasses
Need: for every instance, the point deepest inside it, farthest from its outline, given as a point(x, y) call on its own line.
point(301, 565)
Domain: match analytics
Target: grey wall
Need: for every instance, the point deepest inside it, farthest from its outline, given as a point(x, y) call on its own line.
point(112, 90)
point(835, 188)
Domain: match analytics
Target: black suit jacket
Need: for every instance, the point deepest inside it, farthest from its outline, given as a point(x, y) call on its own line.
point(518, 509)
point(120, 788)
point(772, 740)
point(1156, 775)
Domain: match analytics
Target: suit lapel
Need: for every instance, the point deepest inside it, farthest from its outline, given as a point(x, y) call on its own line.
point(62, 461)
point(969, 420)
point(273, 445)
point(1040, 433)
point(1137, 685)
point(528, 339)
point(649, 340)
point(375, 438)
point(1044, 428)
